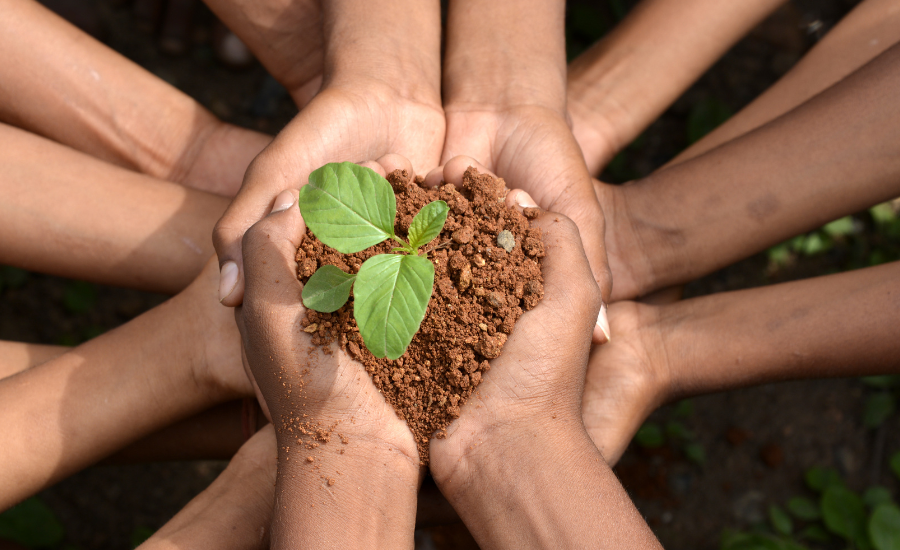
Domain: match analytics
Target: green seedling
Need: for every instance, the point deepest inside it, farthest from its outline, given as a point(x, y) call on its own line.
point(351, 208)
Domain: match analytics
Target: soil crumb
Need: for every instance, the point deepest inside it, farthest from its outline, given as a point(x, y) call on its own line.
point(480, 291)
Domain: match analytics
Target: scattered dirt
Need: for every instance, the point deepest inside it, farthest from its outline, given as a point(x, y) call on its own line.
point(480, 291)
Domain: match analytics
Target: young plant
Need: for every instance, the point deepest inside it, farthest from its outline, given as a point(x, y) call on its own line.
point(351, 208)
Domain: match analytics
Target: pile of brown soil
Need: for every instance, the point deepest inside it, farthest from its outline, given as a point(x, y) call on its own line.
point(487, 272)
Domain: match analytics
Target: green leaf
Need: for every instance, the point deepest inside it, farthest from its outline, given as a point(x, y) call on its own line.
point(780, 521)
point(650, 436)
point(79, 296)
point(804, 508)
point(31, 523)
point(428, 223)
point(895, 464)
point(884, 527)
point(879, 407)
point(818, 479)
point(678, 431)
point(876, 496)
point(348, 207)
point(684, 408)
point(844, 513)
point(779, 255)
point(882, 213)
point(328, 289)
point(695, 453)
point(841, 227)
point(815, 244)
point(391, 296)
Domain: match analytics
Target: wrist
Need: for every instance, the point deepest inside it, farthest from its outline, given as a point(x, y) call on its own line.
point(362, 478)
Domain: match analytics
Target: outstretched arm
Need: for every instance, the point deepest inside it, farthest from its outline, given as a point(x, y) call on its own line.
point(71, 215)
point(625, 81)
point(840, 325)
point(58, 82)
point(830, 157)
point(166, 365)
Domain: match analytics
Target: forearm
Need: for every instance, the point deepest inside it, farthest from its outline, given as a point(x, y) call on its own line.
point(544, 488)
point(18, 356)
point(371, 482)
point(872, 27)
point(825, 159)
point(71, 215)
point(392, 44)
point(73, 410)
point(625, 81)
point(490, 63)
point(840, 325)
point(59, 82)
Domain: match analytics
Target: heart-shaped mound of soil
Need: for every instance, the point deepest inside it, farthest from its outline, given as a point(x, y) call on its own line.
point(487, 263)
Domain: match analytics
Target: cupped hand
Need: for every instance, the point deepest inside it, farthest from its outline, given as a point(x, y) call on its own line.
point(212, 333)
point(532, 148)
point(537, 382)
point(626, 379)
point(309, 391)
point(286, 36)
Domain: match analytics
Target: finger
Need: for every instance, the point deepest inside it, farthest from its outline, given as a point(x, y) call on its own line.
point(371, 164)
point(393, 161)
point(571, 297)
point(434, 178)
point(269, 249)
point(456, 167)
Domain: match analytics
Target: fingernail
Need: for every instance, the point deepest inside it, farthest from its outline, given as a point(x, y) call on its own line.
point(228, 276)
point(524, 200)
point(603, 321)
point(283, 201)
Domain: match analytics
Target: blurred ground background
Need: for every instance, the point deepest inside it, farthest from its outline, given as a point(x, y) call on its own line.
point(699, 468)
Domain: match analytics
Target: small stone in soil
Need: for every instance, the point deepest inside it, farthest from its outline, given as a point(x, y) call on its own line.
point(506, 240)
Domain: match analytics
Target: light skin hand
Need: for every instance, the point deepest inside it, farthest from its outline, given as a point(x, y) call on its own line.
point(712, 343)
point(306, 389)
point(62, 84)
point(504, 98)
point(518, 457)
point(380, 95)
point(285, 35)
point(170, 363)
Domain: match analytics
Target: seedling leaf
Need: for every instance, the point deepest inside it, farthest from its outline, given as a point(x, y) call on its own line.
point(390, 299)
point(895, 464)
point(818, 479)
point(348, 207)
point(328, 289)
point(428, 223)
point(803, 508)
point(844, 514)
point(884, 527)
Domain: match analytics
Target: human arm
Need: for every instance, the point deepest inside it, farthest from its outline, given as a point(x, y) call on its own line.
point(370, 467)
point(59, 82)
point(234, 512)
point(380, 95)
point(841, 325)
point(827, 158)
point(71, 215)
point(627, 79)
point(286, 37)
point(518, 465)
point(172, 362)
point(505, 103)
